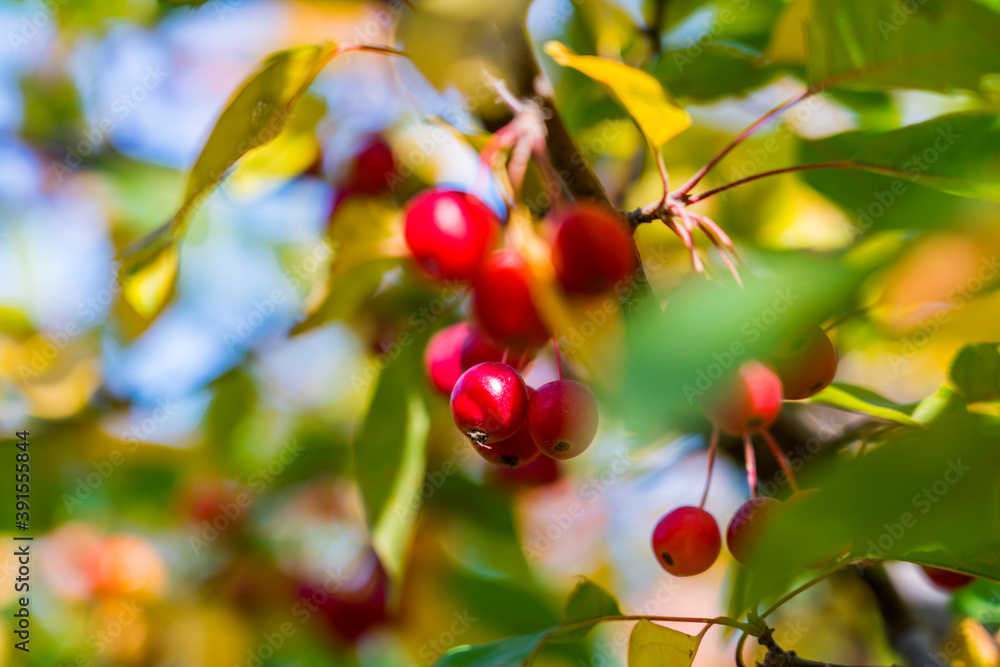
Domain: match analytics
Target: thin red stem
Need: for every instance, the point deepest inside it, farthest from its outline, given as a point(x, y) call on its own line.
point(555, 345)
point(751, 464)
point(782, 459)
point(739, 139)
point(802, 167)
point(713, 445)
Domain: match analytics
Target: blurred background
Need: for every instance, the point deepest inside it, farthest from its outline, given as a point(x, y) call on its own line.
point(194, 500)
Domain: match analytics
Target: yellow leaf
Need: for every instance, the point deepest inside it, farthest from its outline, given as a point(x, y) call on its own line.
point(788, 40)
point(148, 280)
point(653, 645)
point(658, 117)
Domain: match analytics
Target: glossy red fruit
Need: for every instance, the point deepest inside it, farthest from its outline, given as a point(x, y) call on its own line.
point(686, 541)
point(503, 305)
point(747, 402)
point(806, 364)
point(539, 472)
point(563, 418)
point(478, 349)
point(592, 250)
point(442, 357)
point(749, 521)
point(449, 233)
point(353, 607)
point(373, 166)
point(489, 402)
point(513, 452)
point(946, 579)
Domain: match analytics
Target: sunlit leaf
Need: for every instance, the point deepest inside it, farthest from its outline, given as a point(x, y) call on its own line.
point(512, 652)
point(639, 93)
point(858, 399)
point(957, 153)
point(933, 45)
point(587, 602)
point(713, 71)
point(653, 645)
point(390, 458)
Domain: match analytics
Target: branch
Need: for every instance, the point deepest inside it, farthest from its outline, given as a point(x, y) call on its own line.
point(900, 626)
point(567, 159)
point(779, 657)
point(654, 29)
point(784, 170)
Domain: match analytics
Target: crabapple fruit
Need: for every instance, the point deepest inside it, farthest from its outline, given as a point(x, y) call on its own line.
point(747, 402)
point(592, 250)
point(450, 233)
point(686, 541)
point(748, 522)
point(562, 417)
point(806, 365)
point(489, 401)
point(503, 304)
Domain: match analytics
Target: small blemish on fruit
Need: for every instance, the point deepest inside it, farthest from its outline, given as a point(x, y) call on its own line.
point(509, 461)
point(478, 437)
point(666, 558)
point(562, 446)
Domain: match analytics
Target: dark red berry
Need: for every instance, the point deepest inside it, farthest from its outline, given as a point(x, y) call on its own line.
point(356, 606)
point(373, 166)
point(489, 402)
point(563, 418)
point(442, 357)
point(686, 541)
point(747, 402)
point(513, 452)
point(539, 472)
point(450, 234)
point(747, 524)
point(478, 348)
point(946, 579)
point(592, 250)
point(503, 304)
point(806, 365)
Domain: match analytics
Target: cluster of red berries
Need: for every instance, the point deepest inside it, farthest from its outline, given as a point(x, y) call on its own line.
point(687, 540)
point(452, 235)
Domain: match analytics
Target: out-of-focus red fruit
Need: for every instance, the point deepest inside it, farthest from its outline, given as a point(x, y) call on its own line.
point(747, 402)
point(539, 472)
point(563, 417)
point(442, 357)
point(503, 305)
point(747, 524)
point(478, 349)
point(513, 452)
point(372, 168)
point(353, 607)
point(127, 564)
point(489, 402)
point(947, 579)
point(686, 541)
point(450, 234)
point(592, 250)
point(806, 365)
point(207, 498)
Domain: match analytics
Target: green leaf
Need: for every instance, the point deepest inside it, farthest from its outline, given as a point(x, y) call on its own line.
point(253, 116)
point(711, 72)
point(390, 458)
point(512, 652)
point(957, 153)
point(859, 399)
point(641, 95)
point(976, 372)
point(653, 645)
point(934, 45)
point(897, 502)
point(588, 602)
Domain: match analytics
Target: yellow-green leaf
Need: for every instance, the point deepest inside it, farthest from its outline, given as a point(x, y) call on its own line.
point(653, 645)
point(253, 116)
point(658, 117)
point(857, 399)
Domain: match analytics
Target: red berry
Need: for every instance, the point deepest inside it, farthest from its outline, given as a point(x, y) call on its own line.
point(503, 305)
point(450, 234)
point(539, 472)
point(515, 451)
point(489, 402)
point(356, 605)
point(592, 250)
point(749, 521)
point(747, 402)
point(563, 417)
point(478, 348)
point(806, 365)
point(373, 166)
point(442, 357)
point(947, 579)
point(686, 541)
